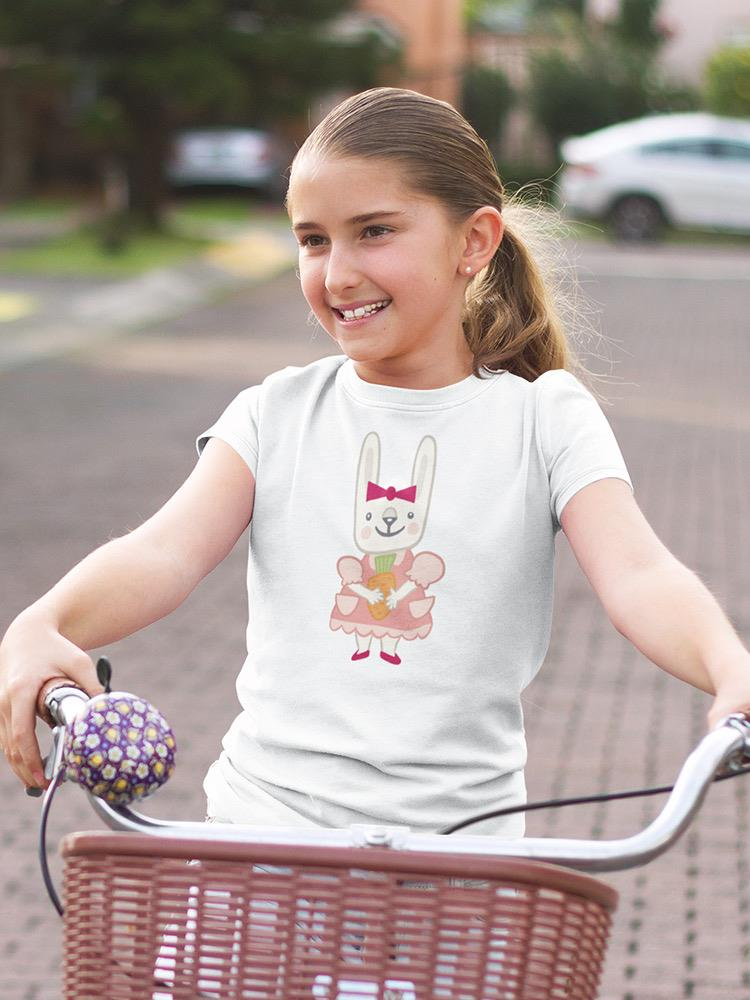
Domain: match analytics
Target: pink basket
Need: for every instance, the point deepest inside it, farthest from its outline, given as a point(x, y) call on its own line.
point(169, 919)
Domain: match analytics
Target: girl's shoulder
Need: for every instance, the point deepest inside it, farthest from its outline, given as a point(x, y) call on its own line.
point(552, 384)
point(554, 398)
point(297, 377)
point(559, 384)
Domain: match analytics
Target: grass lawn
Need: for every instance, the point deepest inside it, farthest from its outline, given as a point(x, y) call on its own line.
point(42, 208)
point(195, 222)
point(190, 215)
point(81, 253)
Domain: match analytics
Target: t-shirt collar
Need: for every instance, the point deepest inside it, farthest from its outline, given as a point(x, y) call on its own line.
point(396, 397)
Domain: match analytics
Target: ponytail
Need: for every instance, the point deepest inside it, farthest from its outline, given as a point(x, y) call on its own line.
point(510, 320)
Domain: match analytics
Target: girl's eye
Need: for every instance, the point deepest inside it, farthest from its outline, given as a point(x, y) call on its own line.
point(376, 231)
point(312, 241)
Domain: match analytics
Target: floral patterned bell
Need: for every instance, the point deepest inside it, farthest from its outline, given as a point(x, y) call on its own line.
point(121, 748)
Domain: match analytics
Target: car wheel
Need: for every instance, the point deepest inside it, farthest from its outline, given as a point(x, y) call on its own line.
point(637, 218)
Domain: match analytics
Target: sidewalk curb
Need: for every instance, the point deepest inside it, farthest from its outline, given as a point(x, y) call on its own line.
point(252, 257)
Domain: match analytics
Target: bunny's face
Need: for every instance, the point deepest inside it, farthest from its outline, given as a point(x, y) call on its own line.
point(391, 518)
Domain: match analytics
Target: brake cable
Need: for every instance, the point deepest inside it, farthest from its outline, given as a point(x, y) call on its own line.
point(577, 801)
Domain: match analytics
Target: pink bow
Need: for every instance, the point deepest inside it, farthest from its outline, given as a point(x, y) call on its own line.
point(375, 492)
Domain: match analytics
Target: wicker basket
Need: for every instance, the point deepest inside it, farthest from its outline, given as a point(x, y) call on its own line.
point(166, 919)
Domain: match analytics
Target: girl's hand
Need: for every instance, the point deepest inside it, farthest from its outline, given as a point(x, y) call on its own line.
point(31, 653)
point(732, 693)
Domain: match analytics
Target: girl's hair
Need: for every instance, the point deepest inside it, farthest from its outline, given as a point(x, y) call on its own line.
point(510, 320)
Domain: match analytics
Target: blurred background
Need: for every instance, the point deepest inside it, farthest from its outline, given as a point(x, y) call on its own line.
point(137, 130)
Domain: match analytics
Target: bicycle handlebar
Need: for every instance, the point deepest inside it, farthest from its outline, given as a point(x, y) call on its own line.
point(60, 702)
point(725, 747)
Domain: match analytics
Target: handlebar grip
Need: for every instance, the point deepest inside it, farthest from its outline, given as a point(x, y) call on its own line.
point(51, 696)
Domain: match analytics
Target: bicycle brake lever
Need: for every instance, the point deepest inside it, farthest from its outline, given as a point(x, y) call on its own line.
point(51, 762)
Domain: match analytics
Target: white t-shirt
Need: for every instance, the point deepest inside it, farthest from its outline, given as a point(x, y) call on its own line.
point(440, 504)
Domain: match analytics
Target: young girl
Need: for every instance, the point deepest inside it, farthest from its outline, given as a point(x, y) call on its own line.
point(404, 499)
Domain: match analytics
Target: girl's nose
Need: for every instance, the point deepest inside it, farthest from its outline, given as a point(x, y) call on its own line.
point(341, 273)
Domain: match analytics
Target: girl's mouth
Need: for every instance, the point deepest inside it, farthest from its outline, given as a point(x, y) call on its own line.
point(362, 312)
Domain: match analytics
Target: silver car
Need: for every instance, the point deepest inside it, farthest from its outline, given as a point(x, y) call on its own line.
point(228, 156)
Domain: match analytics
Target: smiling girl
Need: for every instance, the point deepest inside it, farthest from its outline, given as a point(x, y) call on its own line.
point(404, 499)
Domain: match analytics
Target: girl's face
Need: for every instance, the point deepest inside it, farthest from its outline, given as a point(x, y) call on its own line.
point(380, 267)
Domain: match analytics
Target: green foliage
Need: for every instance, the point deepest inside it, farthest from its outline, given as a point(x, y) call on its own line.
point(472, 10)
point(666, 97)
point(248, 57)
point(486, 99)
point(570, 96)
point(728, 81)
point(636, 26)
point(82, 254)
point(604, 76)
point(141, 68)
point(577, 7)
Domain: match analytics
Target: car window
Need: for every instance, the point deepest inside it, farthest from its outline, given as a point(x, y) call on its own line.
point(732, 150)
point(679, 147)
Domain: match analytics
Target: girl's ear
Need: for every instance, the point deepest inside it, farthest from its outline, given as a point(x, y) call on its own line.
point(483, 232)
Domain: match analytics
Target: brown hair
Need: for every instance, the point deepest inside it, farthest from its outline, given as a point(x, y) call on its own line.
point(510, 319)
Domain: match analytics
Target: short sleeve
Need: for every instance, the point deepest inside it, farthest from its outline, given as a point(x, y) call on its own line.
point(577, 443)
point(238, 426)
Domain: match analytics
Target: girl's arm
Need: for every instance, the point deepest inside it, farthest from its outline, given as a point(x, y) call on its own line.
point(118, 589)
point(652, 599)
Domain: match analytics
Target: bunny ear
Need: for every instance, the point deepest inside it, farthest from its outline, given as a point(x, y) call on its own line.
point(423, 473)
point(369, 464)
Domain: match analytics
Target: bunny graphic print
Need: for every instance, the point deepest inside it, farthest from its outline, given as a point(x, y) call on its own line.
point(383, 592)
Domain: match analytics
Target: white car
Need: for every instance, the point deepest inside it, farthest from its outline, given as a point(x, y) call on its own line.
point(683, 170)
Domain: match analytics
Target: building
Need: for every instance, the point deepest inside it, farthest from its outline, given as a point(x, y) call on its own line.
point(695, 29)
point(428, 34)
point(433, 38)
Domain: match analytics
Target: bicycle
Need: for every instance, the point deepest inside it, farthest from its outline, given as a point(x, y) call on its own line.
point(176, 910)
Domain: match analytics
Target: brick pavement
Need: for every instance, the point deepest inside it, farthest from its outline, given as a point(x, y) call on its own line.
point(91, 446)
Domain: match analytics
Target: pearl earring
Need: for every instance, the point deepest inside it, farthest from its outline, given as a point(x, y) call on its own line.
point(468, 270)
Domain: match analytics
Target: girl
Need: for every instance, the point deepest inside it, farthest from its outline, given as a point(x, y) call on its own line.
point(403, 499)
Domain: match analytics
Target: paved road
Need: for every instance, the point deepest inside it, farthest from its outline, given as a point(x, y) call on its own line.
point(92, 443)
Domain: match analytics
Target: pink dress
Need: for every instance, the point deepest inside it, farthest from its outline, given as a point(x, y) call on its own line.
point(410, 619)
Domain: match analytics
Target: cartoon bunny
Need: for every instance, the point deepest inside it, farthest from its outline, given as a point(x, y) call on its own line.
point(383, 593)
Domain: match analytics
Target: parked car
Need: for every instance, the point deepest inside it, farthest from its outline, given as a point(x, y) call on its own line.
point(684, 170)
point(244, 157)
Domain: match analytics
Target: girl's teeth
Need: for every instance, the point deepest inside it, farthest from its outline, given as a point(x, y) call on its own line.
point(361, 311)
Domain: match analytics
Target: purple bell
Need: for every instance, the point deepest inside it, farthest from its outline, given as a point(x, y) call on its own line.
point(120, 749)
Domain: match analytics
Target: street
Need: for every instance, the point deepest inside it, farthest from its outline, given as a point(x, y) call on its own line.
point(93, 441)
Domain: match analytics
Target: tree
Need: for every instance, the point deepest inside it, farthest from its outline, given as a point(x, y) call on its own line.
point(486, 99)
point(607, 73)
point(577, 7)
point(728, 81)
point(571, 96)
point(636, 26)
point(138, 69)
